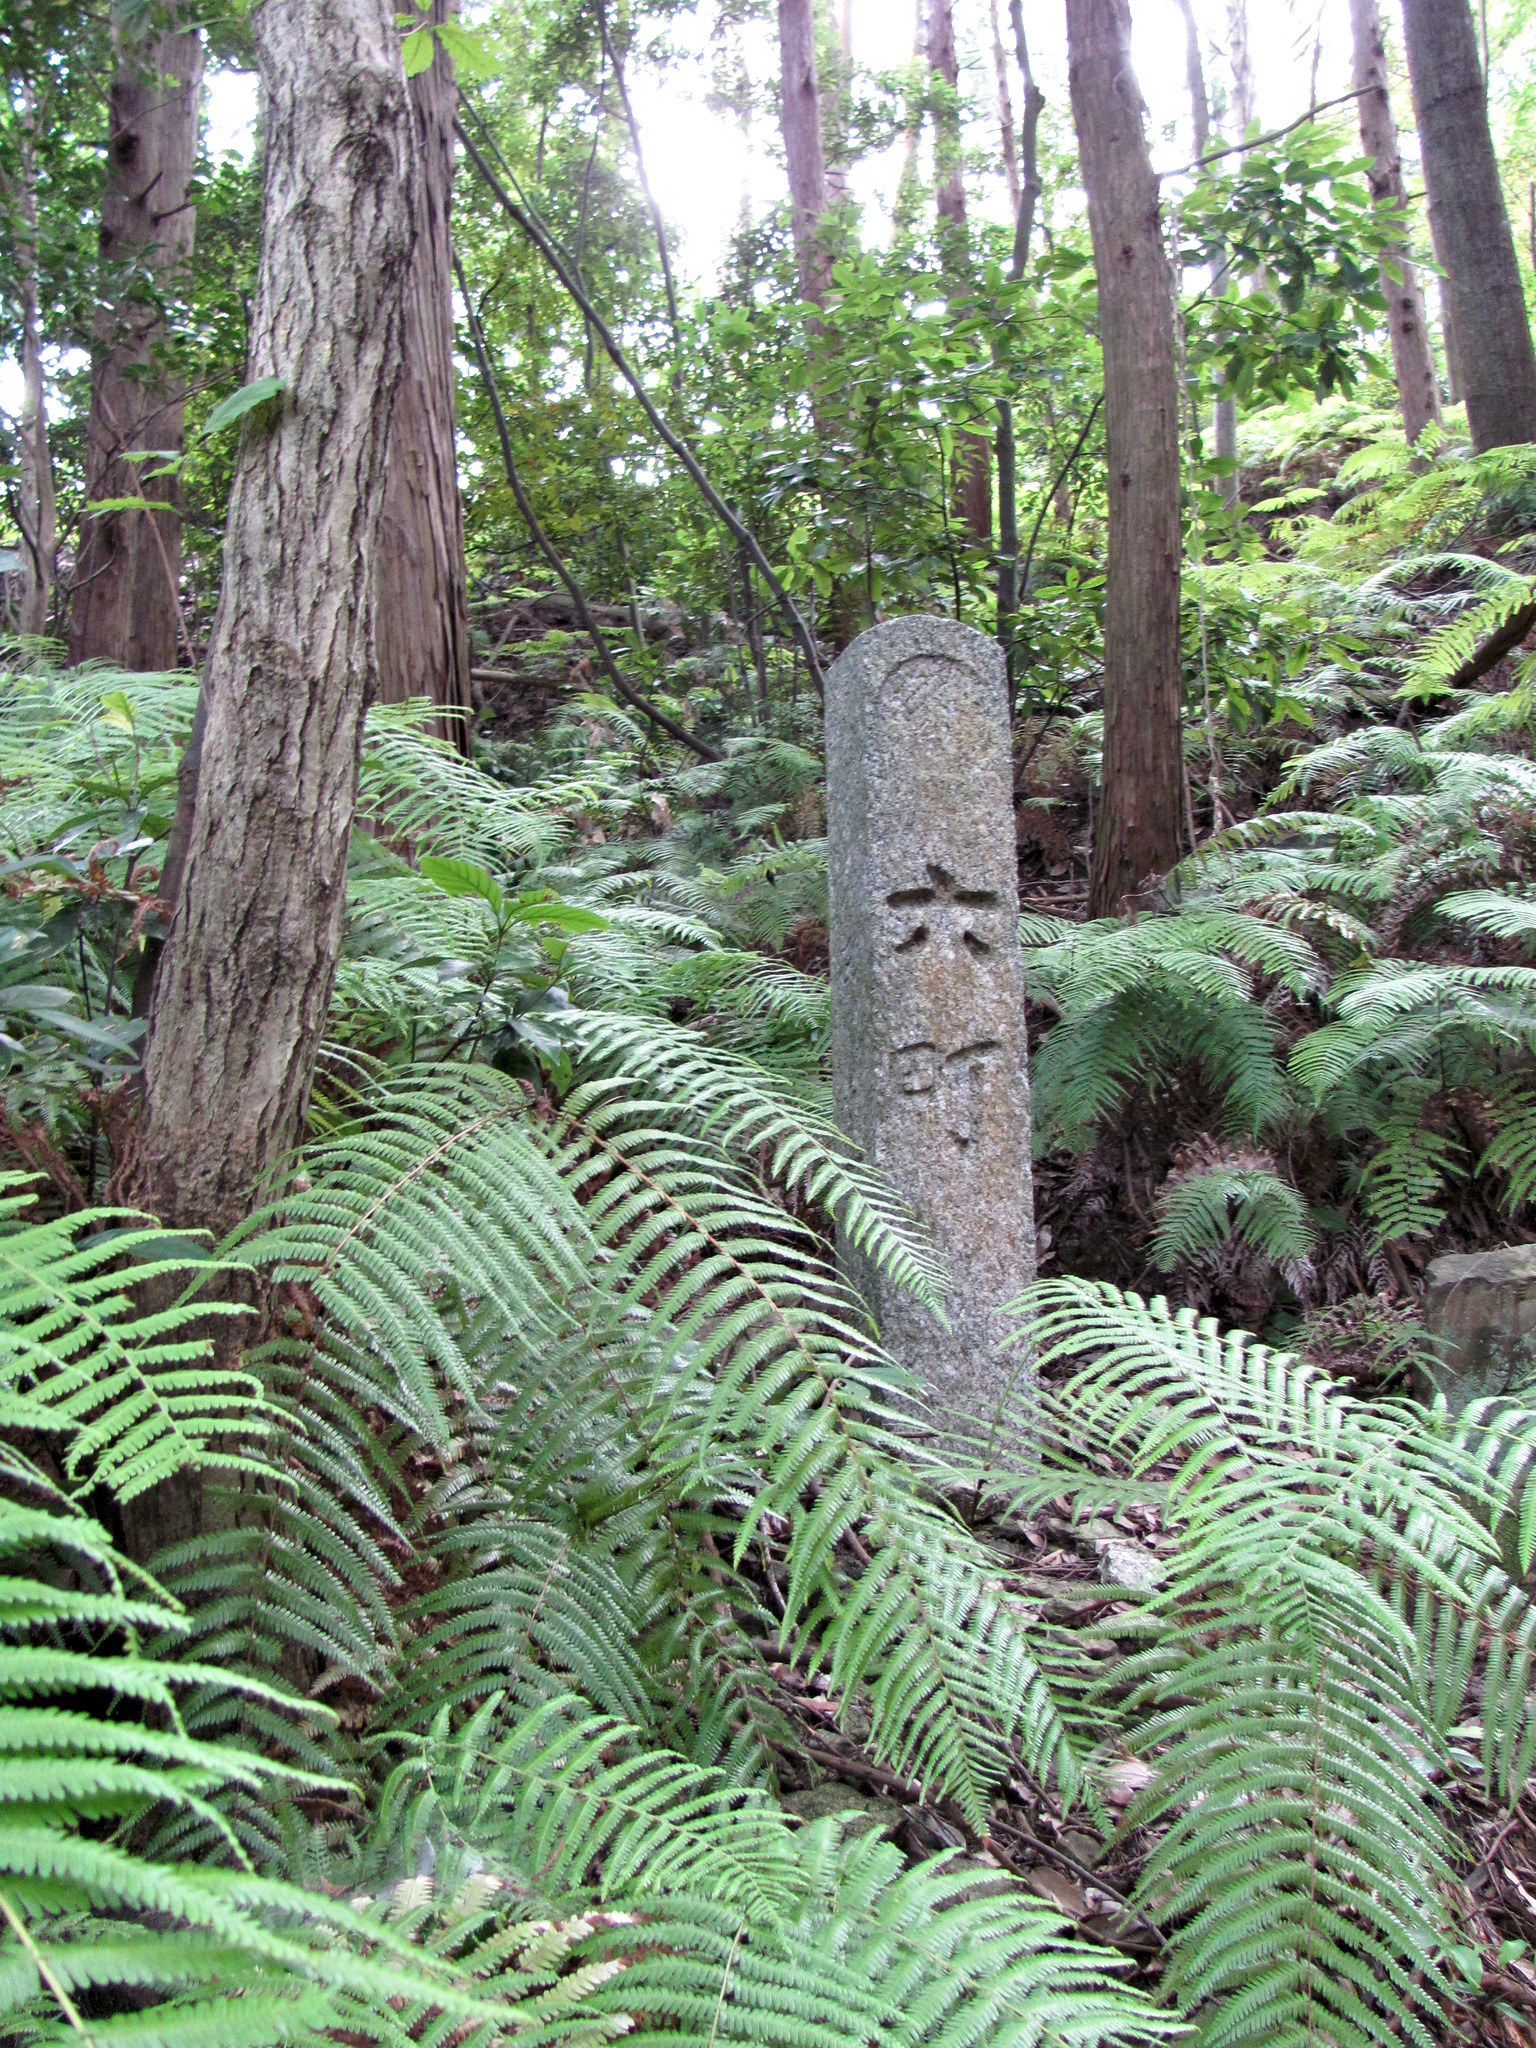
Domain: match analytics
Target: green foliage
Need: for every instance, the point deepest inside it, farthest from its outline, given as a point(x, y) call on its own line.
point(1302, 1672)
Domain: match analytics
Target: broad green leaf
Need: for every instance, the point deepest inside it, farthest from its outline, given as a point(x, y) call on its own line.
point(240, 402)
point(566, 917)
point(464, 878)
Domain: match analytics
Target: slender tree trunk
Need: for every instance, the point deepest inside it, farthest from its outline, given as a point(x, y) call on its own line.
point(1023, 231)
point(1139, 819)
point(125, 606)
point(1005, 117)
point(907, 191)
point(1194, 74)
point(800, 119)
point(1224, 411)
point(421, 617)
point(1418, 389)
point(241, 999)
point(1224, 414)
point(1034, 107)
point(35, 494)
point(837, 105)
point(973, 465)
point(1472, 235)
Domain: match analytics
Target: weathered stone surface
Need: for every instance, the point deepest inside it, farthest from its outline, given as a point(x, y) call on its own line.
point(866, 1812)
point(929, 1058)
point(1131, 1565)
point(1480, 1310)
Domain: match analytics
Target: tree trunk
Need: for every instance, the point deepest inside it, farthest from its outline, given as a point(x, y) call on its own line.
point(1023, 229)
point(1472, 236)
point(908, 192)
point(125, 605)
point(973, 463)
point(1244, 110)
point(800, 120)
point(1034, 107)
point(837, 106)
point(35, 496)
point(1194, 75)
point(1137, 830)
point(1418, 389)
point(244, 985)
point(1005, 117)
point(421, 600)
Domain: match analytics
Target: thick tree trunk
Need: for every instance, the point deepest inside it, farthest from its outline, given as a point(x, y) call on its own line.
point(125, 606)
point(241, 999)
point(1473, 243)
point(1138, 826)
point(1418, 389)
point(800, 120)
point(34, 486)
point(973, 455)
point(421, 619)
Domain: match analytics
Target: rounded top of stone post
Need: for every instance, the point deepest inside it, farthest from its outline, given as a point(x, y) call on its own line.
point(919, 636)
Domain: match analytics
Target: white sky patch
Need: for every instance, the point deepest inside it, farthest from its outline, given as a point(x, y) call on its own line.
point(229, 113)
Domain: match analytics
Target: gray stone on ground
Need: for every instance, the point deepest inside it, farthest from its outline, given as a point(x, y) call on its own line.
point(864, 1812)
point(1480, 1310)
point(929, 1057)
point(1131, 1565)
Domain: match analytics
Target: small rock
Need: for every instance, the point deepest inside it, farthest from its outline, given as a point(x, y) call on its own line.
point(1081, 1847)
point(863, 1812)
point(1132, 1565)
point(1480, 1309)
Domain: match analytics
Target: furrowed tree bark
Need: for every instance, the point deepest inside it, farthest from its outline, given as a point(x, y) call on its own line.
point(973, 462)
point(800, 123)
point(36, 502)
point(124, 608)
point(241, 998)
point(421, 599)
point(1495, 362)
point(1137, 830)
point(1413, 366)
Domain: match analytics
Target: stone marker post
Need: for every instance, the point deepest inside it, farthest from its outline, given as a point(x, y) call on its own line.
point(929, 1058)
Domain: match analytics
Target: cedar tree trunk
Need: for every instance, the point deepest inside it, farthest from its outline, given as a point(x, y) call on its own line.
point(1481, 286)
point(973, 462)
point(244, 984)
point(421, 597)
point(1224, 413)
point(125, 603)
point(1138, 825)
point(800, 120)
point(1418, 389)
point(34, 486)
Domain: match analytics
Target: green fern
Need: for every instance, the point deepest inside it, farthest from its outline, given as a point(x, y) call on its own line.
point(1201, 1210)
point(137, 1388)
point(1332, 1564)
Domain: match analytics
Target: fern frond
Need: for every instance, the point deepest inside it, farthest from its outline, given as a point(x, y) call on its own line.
point(136, 1389)
point(1307, 1655)
point(1199, 1211)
